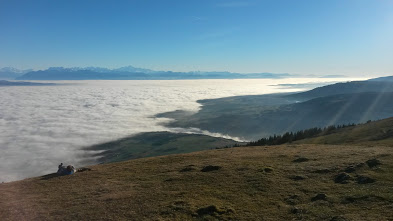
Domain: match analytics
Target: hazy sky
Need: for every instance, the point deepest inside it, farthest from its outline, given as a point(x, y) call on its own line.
point(352, 37)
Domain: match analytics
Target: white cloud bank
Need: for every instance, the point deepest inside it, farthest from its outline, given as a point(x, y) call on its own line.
point(44, 126)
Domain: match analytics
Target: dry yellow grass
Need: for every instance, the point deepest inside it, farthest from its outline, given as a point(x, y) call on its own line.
point(253, 183)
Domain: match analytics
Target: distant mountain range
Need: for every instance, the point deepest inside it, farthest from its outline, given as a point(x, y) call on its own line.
point(123, 73)
point(134, 73)
point(9, 73)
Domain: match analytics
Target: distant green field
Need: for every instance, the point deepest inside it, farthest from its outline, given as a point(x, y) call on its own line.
point(157, 144)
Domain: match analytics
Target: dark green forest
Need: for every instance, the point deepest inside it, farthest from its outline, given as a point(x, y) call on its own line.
point(289, 137)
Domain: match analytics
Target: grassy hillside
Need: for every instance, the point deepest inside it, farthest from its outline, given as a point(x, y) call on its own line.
point(255, 117)
point(290, 182)
point(377, 132)
point(157, 144)
point(388, 78)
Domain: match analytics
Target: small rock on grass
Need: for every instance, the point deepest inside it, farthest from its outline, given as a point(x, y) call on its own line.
point(338, 218)
point(373, 163)
point(300, 160)
point(296, 210)
point(319, 196)
point(350, 169)
point(212, 210)
point(297, 178)
point(210, 168)
point(342, 178)
point(364, 180)
point(268, 169)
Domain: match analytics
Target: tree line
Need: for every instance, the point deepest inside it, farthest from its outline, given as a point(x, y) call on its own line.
point(289, 137)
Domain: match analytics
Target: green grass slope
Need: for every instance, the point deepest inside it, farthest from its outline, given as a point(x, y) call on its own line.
point(372, 133)
point(157, 144)
point(374, 85)
point(289, 182)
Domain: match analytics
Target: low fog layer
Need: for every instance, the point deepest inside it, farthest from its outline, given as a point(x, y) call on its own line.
point(42, 127)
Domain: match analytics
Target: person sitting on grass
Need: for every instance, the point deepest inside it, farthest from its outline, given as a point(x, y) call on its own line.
point(65, 170)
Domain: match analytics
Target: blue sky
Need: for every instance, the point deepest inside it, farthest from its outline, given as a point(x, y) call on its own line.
point(351, 37)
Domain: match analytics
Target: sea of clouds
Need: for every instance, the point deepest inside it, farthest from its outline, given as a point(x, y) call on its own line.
point(43, 126)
